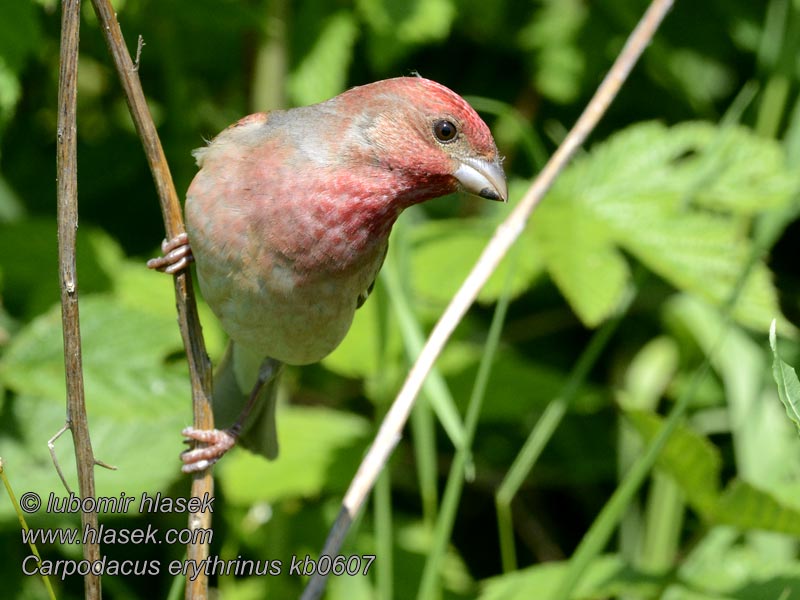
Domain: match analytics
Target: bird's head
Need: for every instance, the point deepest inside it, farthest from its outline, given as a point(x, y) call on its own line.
point(428, 137)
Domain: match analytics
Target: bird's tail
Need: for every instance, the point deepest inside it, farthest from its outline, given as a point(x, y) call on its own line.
point(237, 374)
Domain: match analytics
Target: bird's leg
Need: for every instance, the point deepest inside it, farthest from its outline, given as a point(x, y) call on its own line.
point(177, 254)
point(222, 440)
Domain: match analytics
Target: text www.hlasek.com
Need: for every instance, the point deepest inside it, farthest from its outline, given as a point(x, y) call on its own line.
point(108, 536)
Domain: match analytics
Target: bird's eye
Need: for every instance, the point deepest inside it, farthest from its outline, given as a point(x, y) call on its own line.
point(445, 130)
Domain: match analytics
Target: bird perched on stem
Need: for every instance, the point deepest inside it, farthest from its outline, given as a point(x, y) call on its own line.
point(289, 218)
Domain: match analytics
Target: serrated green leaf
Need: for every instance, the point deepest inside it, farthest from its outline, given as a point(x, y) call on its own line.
point(786, 379)
point(688, 457)
point(318, 447)
point(588, 270)
point(136, 402)
point(648, 190)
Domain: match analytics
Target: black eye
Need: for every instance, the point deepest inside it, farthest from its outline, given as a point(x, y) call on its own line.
point(444, 130)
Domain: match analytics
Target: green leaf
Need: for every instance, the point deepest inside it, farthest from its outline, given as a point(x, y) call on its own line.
point(444, 251)
point(322, 73)
point(746, 507)
point(359, 354)
point(10, 92)
point(607, 576)
point(320, 448)
point(396, 28)
point(553, 34)
point(695, 465)
point(20, 33)
point(10, 205)
point(702, 78)
point(648, 191)
point(765, 444)
point(688, 457)
point(786, 378)
point(415, 22)
point(514, 377)
point(29, 262)
point(723, 566)
point(137, 403)
point(583, 262)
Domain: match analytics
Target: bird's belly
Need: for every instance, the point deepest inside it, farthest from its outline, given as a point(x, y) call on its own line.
point(286, 316)
point(302, 331)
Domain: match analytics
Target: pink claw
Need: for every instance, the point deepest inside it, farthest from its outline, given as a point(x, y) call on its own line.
point(219, 440)
point(177, 255)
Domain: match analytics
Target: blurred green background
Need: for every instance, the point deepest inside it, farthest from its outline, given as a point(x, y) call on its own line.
point(645, 284)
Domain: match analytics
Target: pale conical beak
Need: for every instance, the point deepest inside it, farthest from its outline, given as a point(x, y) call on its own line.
point(483, 178)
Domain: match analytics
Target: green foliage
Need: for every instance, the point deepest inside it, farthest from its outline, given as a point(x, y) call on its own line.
point(319, 447)
point(679, 200)
point(788, 384)
point(639, 298)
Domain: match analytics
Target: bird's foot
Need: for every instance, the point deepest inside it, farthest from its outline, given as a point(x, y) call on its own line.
point(177, 254)
point(219, 442)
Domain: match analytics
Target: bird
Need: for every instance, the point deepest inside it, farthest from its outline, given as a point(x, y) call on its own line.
point(288, 220)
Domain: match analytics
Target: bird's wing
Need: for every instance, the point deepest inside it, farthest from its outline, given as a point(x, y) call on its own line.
point(362, 297)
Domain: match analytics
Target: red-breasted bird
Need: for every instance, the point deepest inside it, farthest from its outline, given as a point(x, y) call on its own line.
point(289, 218)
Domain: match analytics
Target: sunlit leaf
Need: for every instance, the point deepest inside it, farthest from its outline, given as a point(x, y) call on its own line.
point(786, 378)
point(647, 190)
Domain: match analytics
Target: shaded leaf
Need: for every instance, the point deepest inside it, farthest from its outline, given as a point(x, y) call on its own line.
point(746, 507)
point(688, 458)
point(606, 576)
point(322, 73)
point(317, 447)
point(444, 252)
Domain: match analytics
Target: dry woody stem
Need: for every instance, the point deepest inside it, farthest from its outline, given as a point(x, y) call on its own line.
point(504, 237)
point(188, 320)
point(67, 175)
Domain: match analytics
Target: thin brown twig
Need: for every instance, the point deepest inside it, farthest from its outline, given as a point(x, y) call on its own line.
point(51, 446)
point(188, 320)
point(67, 174)
point(506, 234)
point(139, 46)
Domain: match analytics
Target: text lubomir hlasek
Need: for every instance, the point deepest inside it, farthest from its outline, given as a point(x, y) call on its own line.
point(122, 504)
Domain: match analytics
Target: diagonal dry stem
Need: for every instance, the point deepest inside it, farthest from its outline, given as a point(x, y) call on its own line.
point(188, 320)
point(506, 234)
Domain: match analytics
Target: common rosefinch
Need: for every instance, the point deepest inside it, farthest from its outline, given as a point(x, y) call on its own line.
point(289, 218)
